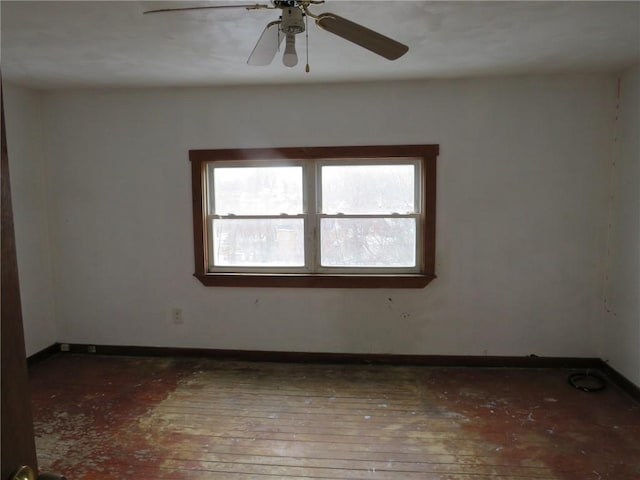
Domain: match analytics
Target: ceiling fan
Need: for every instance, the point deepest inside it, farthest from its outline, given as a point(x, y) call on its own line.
point(292, 22)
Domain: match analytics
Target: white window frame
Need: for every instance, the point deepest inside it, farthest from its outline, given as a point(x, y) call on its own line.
point(417, 215)
point(209, 217)
point(312, 215)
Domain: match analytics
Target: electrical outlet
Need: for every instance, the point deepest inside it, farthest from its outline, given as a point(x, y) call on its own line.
point(176, 316)
point(91, 349)
point(65, 347)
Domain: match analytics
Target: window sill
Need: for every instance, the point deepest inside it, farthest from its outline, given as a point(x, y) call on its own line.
point(315, 280)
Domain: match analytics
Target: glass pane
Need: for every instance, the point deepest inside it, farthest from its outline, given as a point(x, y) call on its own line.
point(362, 189)
point(368, 242)
point(258, 242)
point(257, 190)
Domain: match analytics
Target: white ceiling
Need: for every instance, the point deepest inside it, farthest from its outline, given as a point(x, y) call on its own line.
point(55, 44)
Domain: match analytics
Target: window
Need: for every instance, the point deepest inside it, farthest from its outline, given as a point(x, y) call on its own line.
point(315, 217)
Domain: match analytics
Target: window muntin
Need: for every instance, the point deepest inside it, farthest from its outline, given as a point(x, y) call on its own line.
point(411, 229)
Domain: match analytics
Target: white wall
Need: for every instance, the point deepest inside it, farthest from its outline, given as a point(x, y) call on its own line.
point(26, 165)
point(521, 209)
point(621, 328)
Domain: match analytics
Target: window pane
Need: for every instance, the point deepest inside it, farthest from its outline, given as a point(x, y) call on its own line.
point(368, 242)
point(362, 189)
point(258, 242)
point(257, 190)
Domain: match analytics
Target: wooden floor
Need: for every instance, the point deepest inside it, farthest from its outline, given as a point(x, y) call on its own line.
point(100, 417)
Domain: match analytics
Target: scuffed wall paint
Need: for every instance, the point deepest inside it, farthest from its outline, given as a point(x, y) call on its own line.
point(521, 209)
point(27, 170)
point(620, 344)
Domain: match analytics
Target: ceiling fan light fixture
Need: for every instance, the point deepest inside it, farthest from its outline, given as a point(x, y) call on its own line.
point(290, 57)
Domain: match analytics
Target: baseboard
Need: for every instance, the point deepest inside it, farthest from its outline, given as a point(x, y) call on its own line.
point(530, 361)
point(43, 354)
point(620, 380)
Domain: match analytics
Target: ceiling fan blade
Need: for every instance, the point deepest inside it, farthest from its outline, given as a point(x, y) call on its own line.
point(267, 46)
point(374, 41)
point(182, 9)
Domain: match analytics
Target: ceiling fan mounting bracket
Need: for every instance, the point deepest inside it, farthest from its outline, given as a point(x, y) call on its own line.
point(286, 4)
point(295, 3)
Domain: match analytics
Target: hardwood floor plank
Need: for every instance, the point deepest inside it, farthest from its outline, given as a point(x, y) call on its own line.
point(288, 466)
point(172, 419)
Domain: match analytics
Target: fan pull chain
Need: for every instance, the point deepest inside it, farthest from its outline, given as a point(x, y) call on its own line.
point(306, 41)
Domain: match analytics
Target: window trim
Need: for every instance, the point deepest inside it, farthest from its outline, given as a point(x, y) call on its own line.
point(428, 155)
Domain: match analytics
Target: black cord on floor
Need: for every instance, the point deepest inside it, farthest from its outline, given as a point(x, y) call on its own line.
point(587, 382)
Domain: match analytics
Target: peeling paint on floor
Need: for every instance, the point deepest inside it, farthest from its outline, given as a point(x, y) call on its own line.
point(155, 418)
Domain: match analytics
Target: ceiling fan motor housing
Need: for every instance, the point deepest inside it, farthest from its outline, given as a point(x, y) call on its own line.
point(292, 21)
